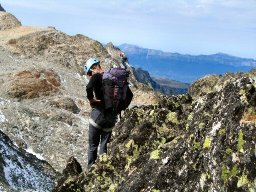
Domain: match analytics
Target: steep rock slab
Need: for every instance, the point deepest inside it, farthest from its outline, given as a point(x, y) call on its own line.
point(8, 21)
point(33, 83)
point(21, 171)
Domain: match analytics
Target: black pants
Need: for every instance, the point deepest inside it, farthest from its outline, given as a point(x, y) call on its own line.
point(99, 134)
point(97, 137)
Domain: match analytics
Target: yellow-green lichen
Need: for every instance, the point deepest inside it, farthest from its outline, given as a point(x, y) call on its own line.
point(240, 142)
point(243, 180)
point(155, 154)
point(113, 187)
point(206, 114)
point(130, 143)
point(151, 112)
point(207, 142)
point(104, 157)
point(224, 174)
point(172, 117)
point(156, 190)
point(243, 97)
point(228, 174)
point(135, 153)
point(229, 151)
point(159, 143)
point(196, 145)
point(190, 116)
point(255, 150)
point(203, 178)
point(201, 125)
point(163, 129)
point(187, 126)
point(233, 171)
point(221, 131)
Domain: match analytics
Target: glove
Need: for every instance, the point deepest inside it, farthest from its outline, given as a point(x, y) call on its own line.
point(94, 102)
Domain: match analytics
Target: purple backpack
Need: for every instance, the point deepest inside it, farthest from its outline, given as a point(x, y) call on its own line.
point(117, 94)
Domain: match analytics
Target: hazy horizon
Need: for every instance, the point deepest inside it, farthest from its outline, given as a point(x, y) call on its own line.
point(192, 27)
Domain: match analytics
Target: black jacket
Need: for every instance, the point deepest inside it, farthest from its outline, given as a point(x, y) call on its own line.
point(94, 88)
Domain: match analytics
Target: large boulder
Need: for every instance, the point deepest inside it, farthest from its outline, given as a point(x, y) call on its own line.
point(8, 21)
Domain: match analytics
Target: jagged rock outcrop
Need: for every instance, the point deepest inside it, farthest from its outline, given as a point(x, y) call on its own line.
point(202, 142)
point(8, 21)
point(144, 77)
point(69, 175)
point(1, 8)
point(22, 171)
point(163, 86)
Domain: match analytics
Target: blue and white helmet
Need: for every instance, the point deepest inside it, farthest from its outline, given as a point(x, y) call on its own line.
point(89, 63)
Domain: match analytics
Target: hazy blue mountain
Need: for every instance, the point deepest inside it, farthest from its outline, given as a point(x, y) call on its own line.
point(184, 68)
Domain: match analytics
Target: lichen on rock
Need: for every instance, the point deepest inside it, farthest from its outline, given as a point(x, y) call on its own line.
point(185, 143)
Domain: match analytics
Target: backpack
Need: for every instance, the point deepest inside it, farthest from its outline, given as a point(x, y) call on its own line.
point(117, 94)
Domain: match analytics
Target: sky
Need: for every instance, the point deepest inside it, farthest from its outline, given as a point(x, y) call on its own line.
point(184, 26)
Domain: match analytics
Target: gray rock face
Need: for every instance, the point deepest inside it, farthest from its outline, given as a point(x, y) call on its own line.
point(21, 171)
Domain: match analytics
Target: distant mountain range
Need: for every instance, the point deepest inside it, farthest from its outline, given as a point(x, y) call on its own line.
point(184, 68)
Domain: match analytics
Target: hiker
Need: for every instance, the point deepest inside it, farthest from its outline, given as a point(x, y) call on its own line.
point(101, 121)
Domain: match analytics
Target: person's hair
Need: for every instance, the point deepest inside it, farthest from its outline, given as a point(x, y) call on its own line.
point(90, 71)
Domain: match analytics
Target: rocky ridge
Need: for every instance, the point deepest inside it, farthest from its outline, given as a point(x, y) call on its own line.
point(201, 141)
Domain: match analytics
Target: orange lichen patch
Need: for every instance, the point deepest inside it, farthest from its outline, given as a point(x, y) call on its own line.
point(33, 83)
point(248, 117)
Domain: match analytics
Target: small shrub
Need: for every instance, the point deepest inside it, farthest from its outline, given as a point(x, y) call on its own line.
point(12, 41)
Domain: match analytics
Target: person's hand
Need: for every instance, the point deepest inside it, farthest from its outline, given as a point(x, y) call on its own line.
point(94, 102)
